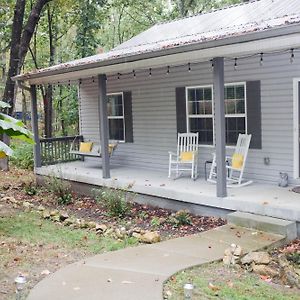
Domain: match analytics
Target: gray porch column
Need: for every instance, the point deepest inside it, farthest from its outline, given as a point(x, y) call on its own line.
point(220, 125)
point(103, 125)
point(35, 128)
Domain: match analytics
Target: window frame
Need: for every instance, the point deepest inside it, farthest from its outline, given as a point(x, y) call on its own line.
point(118, 117)
point(244, 115)
point(202, 116)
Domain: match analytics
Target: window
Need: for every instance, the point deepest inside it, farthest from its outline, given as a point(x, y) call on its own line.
point(200, 113)
point(115, 111)
point(200, 116)
point(235, 112)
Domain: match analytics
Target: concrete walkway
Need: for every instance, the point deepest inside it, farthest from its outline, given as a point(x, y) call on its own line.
point(139, 273)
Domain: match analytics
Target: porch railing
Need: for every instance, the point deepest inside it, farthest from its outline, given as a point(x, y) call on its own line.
point(57, 150)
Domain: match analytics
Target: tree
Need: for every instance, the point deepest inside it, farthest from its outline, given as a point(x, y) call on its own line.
point(20, 40)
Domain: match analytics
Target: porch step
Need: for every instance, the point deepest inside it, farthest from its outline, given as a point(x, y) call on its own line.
point(264, 223)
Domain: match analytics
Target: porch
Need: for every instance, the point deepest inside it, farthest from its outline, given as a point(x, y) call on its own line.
point(153, 187)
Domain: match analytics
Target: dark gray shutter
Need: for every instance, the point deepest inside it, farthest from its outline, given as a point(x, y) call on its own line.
point(181, 110)
point(128, 117)
point(254, 113)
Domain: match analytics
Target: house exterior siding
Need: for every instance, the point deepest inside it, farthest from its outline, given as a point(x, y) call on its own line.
point(154, 113)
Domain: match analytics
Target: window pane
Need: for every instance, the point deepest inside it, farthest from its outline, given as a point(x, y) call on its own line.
point(208, 107)
point(114, 105)
point(230, 106)
point(191, 95)
point(199, 94)
point(240, 106)
point(234, 126)
point(207, 94)
point(240, 92)
point(229, 92)
point(241, 126)
point(116, 129)
point(204, 126)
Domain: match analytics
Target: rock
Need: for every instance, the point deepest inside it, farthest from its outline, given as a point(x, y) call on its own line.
point(100, 228)
point(40, 208)
point(91, 225)
point(69, 221)
point(256, 257)
point(46, 214)
point(55, 218)
point(54, 213)
point(288, 274)
point(137, 235)
point(232, 254)
point(227, 260)
point(27, 205)
point(9, 199)
point(265, 270)
point(238, 251)
point(63, 216)
point(150, 237)
point(137, 230)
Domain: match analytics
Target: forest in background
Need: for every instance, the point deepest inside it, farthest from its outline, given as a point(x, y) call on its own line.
point(48, 32)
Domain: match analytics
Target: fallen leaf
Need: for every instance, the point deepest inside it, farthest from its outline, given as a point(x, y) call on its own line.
point(213, 287)
point(45, 272)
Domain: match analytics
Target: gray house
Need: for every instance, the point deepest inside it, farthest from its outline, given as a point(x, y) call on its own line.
point(251, 51)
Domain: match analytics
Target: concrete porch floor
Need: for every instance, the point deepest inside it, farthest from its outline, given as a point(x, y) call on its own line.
point(262, 199)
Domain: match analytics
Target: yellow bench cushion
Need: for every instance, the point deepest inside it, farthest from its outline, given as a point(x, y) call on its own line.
point(186, 156)
point(237, 161)
point(111, 148)
point(85, 147)
point(2, 154)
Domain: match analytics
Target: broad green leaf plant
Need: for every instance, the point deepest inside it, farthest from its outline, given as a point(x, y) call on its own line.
point(13, 128)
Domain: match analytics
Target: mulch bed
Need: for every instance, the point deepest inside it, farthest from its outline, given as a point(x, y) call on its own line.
point(296, 189)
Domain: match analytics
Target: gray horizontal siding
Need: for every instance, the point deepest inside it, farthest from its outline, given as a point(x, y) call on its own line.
point(154, 113)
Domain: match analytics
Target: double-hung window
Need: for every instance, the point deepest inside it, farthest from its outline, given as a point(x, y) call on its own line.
point(115, 112)
point(200, 112)
point(235, 111)
point(200, 116)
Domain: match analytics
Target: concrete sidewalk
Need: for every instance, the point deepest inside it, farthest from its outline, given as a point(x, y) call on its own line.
point(139, 272)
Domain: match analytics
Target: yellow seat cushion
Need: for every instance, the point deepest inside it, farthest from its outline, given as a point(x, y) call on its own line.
point(237, 161)
point(2, 154)
point(186, 156)
point(85, 147)
point(111, 148)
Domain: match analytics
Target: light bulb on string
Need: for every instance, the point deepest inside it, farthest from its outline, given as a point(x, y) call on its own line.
point(212, 64)
point(93, 79)
point(168, 70)
point(189, 67)
point(134, 75)
point(119, 76)
point(150, 72)
point(292, 56)
point(261, 62)
point(235, 64)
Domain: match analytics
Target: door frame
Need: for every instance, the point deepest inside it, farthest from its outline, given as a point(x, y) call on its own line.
point(296, 111)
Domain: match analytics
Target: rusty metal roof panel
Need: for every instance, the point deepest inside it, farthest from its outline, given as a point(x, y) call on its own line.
point(233, 21)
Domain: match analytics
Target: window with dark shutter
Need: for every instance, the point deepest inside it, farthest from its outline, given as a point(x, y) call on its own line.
point(128, 117)
point(181, 110)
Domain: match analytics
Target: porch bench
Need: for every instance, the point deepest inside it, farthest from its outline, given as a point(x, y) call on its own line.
point(96, 150)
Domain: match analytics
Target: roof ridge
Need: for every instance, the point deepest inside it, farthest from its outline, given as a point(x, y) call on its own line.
point(209, 11)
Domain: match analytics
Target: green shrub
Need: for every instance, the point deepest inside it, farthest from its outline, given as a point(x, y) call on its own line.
point(22, 155)
point(60, 189)
point(30, 188)
point(155, 222)
point(113, 200)
point(180, 218)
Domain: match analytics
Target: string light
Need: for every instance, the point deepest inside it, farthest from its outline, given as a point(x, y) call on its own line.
point(93, 79)
point(106, 78)
point(261, 62)
point(150, 72)
point(80, 81)
point(168, 70)
point(235, 64)
point(189, 67)
point(134, 75)
point(292, 56)
point(119, 74)
point(212, 64)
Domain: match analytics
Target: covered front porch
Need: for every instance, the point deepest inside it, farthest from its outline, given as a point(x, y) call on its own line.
point(153, 187)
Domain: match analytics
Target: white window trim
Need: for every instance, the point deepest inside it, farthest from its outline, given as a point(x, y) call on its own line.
point(119, 117)
point(213, 115)
point(188, 116)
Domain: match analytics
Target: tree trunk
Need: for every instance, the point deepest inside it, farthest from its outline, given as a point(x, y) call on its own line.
point(9, 91)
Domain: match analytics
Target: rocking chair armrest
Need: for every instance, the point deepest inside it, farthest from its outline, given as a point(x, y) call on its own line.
point(172, 154)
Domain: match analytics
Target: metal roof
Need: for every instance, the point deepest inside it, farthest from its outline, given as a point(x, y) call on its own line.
point(239, 20)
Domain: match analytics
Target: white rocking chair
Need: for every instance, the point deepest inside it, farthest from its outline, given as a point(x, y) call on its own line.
point(235, 163)
point(186, 158)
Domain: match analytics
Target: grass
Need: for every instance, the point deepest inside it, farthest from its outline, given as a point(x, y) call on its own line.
point(29, 227)
point(215, 281)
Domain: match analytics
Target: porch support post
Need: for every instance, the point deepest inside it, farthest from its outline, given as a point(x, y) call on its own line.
point(103, 119)
point(218, 63)
point(35, 128)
